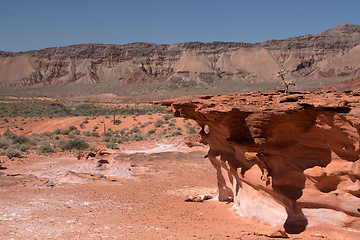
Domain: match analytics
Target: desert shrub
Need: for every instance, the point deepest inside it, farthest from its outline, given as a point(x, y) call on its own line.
point(147, 123)
point(71, 136)
point(45, 147)
point(158, 123)
point(57, 131)
point(21, 139)
point(107, 134)
point(168, 116)
point(171, 124)
point(173, 133)
point(77, 143)
point(77, 132)
point(4, 143)
point(46, 134)
point(124, 131)
point(135, 129)
point(87, 133)
point(11, 153)
point(117, 122)
point(106, 139)
point(95, 134)
point(23, 148)
point(124, 139)
point(72, 128)
point(152, 131)
point(191, 130)
point(138, 136)
point(96, 127)
point(9, 134)
point(112, 145)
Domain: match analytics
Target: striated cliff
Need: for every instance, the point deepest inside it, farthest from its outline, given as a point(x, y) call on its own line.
point(332, 53)
point(290, 160)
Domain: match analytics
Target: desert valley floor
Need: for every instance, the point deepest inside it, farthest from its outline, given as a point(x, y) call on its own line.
point(140, 195)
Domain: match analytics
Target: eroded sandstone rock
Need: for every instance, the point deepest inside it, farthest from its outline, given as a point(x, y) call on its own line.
point(290, 160)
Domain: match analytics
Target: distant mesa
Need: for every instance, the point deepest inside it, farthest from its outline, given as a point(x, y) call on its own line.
point(332, 55)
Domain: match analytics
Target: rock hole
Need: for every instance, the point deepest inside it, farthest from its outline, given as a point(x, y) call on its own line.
point(206, 129)
point(327, 184)
point(358, 209)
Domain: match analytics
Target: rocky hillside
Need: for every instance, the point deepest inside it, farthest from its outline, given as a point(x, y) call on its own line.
point(332, 53)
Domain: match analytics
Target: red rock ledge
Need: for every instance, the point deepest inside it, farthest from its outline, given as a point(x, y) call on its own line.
point(290, 160)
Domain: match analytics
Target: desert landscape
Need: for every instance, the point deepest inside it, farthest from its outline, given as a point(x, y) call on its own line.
point(185, 141)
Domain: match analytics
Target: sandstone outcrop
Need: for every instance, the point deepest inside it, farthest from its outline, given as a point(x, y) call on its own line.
point(290, 160)
point(332, 53)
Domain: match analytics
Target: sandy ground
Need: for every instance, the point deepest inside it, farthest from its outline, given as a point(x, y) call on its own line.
point(138, 195)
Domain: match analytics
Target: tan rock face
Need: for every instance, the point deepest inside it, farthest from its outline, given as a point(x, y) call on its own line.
point(288, 160)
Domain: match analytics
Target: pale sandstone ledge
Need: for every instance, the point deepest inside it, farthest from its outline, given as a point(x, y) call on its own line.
point(290, 160)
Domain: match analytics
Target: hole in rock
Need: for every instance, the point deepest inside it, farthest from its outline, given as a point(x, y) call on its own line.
point(327, 184)
point(206, 129)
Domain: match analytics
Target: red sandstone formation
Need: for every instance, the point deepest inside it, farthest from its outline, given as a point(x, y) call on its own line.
point(290, 160)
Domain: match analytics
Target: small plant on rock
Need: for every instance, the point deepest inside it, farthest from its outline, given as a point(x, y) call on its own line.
point(287, 84)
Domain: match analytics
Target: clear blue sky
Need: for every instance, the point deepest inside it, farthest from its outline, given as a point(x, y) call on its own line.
point(36, 24)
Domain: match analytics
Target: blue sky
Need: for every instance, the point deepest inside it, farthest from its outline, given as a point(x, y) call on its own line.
point(36, 24)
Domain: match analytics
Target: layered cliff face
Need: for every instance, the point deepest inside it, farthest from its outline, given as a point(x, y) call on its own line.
point(290, 160)
point(332, 53)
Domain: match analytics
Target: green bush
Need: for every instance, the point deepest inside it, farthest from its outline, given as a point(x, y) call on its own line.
point(158, 123)
point(107, 134)
point(21, 139)
point(191, 130)
point(87, 133)
point(95, 134)
point(11, 153)
point(117, 122)
point(152, 131)
point(9, 134)
point(77, 144)
point(112, 145)
point(72, 128)
point(174, 133)
point(45, 147)
point(138, 136)
point(46, 134)
point(4, 143)
point(58, 131)
point(135, 129)
point(168, 116)
point(106, 139)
